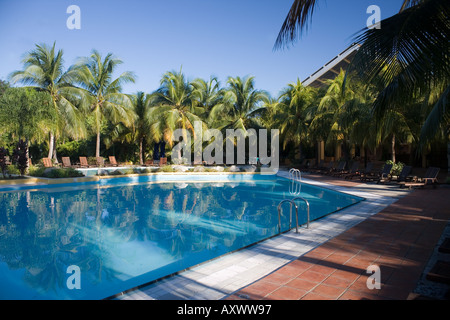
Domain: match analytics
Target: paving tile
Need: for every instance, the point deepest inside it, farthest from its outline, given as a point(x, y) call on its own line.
point(312, 276)
point(301, 284)
point(328, 291)
point(287, 293)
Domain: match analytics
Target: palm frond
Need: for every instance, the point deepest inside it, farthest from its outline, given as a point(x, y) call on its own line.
point(296, 22)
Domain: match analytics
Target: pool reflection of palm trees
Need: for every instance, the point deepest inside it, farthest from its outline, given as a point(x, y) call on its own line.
point(44, 232)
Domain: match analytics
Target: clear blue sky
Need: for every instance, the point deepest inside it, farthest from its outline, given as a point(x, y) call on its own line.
point(206, 37)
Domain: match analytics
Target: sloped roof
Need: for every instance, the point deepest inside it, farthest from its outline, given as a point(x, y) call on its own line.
point(332, 68)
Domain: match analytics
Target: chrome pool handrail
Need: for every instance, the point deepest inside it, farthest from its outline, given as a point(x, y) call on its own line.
point(290, 218)
point(295, 174)
point(307, 209)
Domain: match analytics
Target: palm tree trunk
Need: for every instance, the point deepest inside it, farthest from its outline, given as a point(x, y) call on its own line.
point(141, 151)
point(55, 155)
point(393, 148)
point(51, 145)
point(27, 155)
point(97, 148)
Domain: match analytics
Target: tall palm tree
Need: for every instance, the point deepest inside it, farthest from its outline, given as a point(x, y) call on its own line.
point(335, 104)
point(292, 116)
point(44, 70)
point(242, 105)
point(206, 94)
point(105, 99)
point(141, 125)
point(172, 108)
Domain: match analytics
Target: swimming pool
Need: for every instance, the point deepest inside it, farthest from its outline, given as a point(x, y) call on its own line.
point(126, 232)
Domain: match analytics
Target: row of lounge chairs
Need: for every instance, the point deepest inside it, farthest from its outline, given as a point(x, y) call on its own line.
point(100, 162)
point(404, 179)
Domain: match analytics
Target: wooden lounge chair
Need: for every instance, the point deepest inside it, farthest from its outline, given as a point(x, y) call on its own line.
point(430, 178)
point(84, 163)
point(113, 162)
point(148, 163)
point(318, 167)
point(66, 163)
point(47, 163)
point(363, 173)
point(162, 161)
point(100, 162)
point(380, 176)
point(404, 175)
point(328, 168)
point(354, 168)
point(340, 168)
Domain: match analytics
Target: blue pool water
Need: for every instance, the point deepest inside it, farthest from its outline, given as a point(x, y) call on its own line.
point(123, 233)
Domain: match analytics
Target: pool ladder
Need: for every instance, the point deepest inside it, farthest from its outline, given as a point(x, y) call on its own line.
point(295, 188)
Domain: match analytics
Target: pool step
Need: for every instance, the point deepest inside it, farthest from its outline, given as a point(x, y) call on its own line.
point(440, 272)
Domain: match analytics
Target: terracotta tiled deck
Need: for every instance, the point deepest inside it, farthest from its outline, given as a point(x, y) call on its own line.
point(400, 240)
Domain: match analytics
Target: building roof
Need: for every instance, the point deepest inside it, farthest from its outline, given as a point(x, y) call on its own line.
point(332, 68)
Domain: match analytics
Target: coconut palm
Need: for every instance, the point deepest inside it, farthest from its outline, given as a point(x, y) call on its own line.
point(44, 70)
point(105, 100)
point(407, 57)
point(334, 105)
point(141, 126)
point(242, 105)
point(206, 95)
point(413, 44)
point(172, 108)
point(292, 116)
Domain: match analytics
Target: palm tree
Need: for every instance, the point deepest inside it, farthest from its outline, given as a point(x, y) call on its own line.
point(242, 105)
point(171, 108)
point(292, 114)
point(413, 44)
point(206, 95)
point(105, 100)
point(44, 70)
point(141, 125)
point(335, 104)
point(407, 57)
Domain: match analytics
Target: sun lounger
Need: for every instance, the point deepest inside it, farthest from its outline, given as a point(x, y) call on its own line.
point(47, 163)
point(385, 175)
point(84, 163)
point(67, 163)
point(328, 168)
point(148, 163)
point(361, 173)
point(382, 174)
point(340, 168)
point(430, 178)
point(113, 162)
point(404, 175)
point(317, 168)
point(353, 170)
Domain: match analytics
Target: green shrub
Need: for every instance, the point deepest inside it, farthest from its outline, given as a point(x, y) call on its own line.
point(12, 169)
point(55, 173)
point(396, 167)
point(166, 169)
